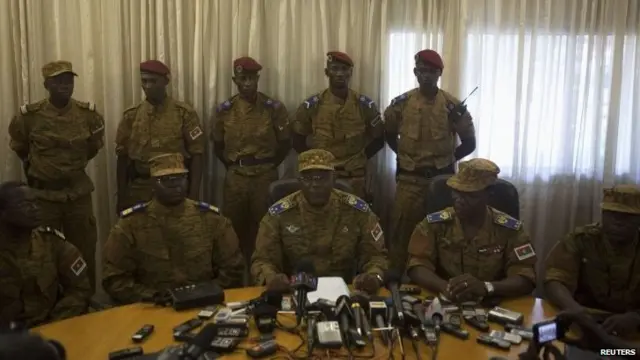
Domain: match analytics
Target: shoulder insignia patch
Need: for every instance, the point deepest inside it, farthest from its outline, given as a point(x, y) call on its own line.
point(366, 101)
point(50, 230)
point(312, 101)
point(280, 206)
point(506, 221)
point(438, 216)
point(87, 105)
point(135, 208)
point(524, 252)
point(33, 107)
point(23, 109)
point(399, 99)
point(78, 266)
point(356, 202)
point(274, 104)
point(206, 206)
point(224, 106)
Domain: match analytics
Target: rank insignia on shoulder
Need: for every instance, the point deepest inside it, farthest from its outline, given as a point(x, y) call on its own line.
point(399, 99)
point(272, 103)
point(133, 209)
point(507, 221)
point(438, 216)
point(280, 207)
point(366, 101)
point(206, 206)
point(224, 106)
point(50, 230)
point(311, 102)
point(357, 203)
point(524, 252)
point(23, 109)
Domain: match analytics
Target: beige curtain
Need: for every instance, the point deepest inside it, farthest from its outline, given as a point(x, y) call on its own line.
point(559, 79)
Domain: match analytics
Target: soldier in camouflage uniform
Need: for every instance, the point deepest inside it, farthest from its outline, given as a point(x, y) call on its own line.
point(342, 121)
point(158, 125)
point(421, 127)
point(335, 230)
point(598, 265)
point(251, 137)
point(170, 241)
point(42, 277)
point(56, 138)
point(471, 250)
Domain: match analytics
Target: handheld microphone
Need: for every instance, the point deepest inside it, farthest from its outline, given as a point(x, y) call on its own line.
point(357, 316)
point(269, 297)
point(344, 314)
point(377, 314)
point(393, 280)
point(303, 282)
point(311, 333)
point(200, 343)
point(365, 326)
point(434, 314)
point(264, 316)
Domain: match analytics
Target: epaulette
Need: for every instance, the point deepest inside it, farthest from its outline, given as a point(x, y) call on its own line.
point(270, 103)
point(507, 221)
point(86, 105)
point(27, 108)
point(281, 206)
point(133, 209)
point(131, 108)
point(399, 99)
point(589, 230)
point(206, 206)
point(312, 101)
point(50, 230)
point(355, 202)
point(224, 106)
point(367, 102)
point(438, 216)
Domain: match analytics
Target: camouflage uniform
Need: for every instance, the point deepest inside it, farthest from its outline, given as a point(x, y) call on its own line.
point(153, 247)
point(251, 133)
point(330, 237)
point(146, 131)
point(426, 144)
point(56, 146)
point(597, 273)
point(344, 128)
point(500, 249)
point(42, 279)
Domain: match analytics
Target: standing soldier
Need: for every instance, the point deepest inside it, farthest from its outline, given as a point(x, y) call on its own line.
point(158, 125)
point(421, 127)
point(251, 136)
point(341, 121)
point(56, 138)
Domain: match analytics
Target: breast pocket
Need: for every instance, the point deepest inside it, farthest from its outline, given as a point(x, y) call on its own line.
point(594, 276)
point(264, 131)
point(294, 245)
point(152, 253)
point(198, 264)
point(344, 248)
point(48, 282)
point(410, 126)
point(491, 262)
point(449, 257)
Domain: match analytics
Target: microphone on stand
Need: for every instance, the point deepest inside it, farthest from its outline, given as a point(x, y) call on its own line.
point(365, 327)
point(344, 315)
point(303, 283)
point(392, 280)
point(378, 316)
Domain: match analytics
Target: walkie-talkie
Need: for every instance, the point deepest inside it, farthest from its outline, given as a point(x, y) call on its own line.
point(461, 108)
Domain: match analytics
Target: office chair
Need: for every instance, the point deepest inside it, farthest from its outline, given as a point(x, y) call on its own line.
point(504, 196)
point(281, 188)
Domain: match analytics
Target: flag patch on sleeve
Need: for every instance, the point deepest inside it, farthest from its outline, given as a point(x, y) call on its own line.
point(195, 133)
point(376, 232)
point(78, 266)
point(524, 252)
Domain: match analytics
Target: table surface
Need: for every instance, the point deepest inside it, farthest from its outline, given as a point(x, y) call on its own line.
point(94, 336)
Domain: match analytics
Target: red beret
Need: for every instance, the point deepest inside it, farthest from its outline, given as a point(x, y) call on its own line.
point(430, 57)
point(154, 67)
point(246, 64)
point(339, 57)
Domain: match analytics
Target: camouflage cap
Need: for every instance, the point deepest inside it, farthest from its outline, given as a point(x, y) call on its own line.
point(474, 175)
point(167, 164)
point(622, 198)
point(316, 159)
point(56, 68)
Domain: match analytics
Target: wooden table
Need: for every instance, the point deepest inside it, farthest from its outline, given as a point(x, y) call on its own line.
point(93, 336)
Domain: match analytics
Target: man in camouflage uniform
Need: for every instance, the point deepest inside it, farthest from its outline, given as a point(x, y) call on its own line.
point(56, 138)
point(342, 121)
point(421, 127)
point(158, 125)
point(598, 265)
point(42, 277)
point(170, 241)
point(251, 137)
point(471, 250)
point(334, 230)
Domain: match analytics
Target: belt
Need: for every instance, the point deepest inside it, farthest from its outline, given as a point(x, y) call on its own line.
point(428, 171)
point(251, 161)
point(49, 185)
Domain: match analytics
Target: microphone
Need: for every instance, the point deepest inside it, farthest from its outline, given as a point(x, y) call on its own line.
point(311, 333)
point(377, 314)
point(392, 281)
point(344, 315)
point(200, 343)
point(303, 282)
point(264, 316)
point(269, 297)
point(433, 317)
point(363, 301)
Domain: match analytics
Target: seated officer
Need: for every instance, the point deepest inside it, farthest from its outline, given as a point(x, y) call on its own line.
point(471, 250)
point(598, 265)
point(335, 230)
point(42, 277)
point(169, 241)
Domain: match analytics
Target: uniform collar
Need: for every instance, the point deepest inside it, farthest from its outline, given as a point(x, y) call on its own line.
point(149, 107)
point(157, 209)
point(59, 111)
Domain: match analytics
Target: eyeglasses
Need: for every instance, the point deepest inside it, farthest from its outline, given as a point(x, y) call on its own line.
point(314, 178)
point(171, 179)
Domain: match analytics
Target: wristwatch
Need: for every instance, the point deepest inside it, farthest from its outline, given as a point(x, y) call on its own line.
point(379, 279)
point(489, 287)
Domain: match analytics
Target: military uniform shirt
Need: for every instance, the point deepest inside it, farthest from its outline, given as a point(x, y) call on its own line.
point(41, 279)
point(500, 249)
point(342, 239)
point(598, 275)
point(153, 248)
